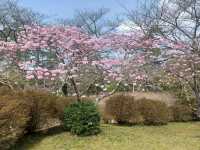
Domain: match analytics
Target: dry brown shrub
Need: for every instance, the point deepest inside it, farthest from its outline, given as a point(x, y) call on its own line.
point(181, 113)
point(123, 109)
point(14, 117)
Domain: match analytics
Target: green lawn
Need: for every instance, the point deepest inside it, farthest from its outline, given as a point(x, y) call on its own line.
point(175, 136)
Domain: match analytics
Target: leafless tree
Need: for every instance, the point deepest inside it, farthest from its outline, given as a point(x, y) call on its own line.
point(13, 17)
point(95, 22)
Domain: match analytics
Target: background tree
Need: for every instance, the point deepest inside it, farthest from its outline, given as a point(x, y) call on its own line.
point(13, 17)
point(177, 21)
point(94, 22)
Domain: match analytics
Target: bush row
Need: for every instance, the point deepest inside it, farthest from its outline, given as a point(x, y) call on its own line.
point(22, 112)
point(124, 109)
point(26, 111)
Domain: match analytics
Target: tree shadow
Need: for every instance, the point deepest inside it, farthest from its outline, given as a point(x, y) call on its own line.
point(31, 139)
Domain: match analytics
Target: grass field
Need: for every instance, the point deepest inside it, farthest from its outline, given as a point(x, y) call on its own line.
point(175, 136)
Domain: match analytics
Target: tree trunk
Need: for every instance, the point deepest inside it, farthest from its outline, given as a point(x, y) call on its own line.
point(65, 89)
point(198, 105)
point(196, 89)
point(75, 89)
point(133, 90)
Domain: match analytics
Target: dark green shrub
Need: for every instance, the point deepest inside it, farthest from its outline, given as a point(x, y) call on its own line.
point(153, 112)
point(123, 109)
point(82, 118)
point(181, 113)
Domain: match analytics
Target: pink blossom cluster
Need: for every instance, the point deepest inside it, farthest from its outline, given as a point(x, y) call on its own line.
point(72, 47)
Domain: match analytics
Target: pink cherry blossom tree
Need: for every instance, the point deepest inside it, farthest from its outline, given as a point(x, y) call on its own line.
point(50, 52)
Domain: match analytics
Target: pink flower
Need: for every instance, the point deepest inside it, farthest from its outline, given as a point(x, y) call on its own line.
point(29, 77)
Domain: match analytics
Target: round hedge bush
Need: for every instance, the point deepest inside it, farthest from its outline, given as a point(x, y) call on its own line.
point(154, 112)
point(82, 118)
point(123, 109)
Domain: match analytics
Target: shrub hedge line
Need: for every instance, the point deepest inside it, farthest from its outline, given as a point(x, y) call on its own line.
point(124, 109)
point(23, 112)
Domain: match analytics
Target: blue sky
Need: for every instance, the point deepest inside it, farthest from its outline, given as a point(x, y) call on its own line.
point(66, 8)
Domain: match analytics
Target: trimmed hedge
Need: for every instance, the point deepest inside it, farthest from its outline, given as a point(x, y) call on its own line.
point(153, 112)
point(82, 118)
point(45, 106)
point(123, 109)
point(22, 112)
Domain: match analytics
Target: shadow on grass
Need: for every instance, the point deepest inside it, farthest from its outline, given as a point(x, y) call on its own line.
point(32, 139)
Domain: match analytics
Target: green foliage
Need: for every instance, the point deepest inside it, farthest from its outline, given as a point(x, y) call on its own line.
point(181, 113)
point(120, 88)
point(156, 51)
point(82, 118)
point(123, 109)
point(154, 112)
